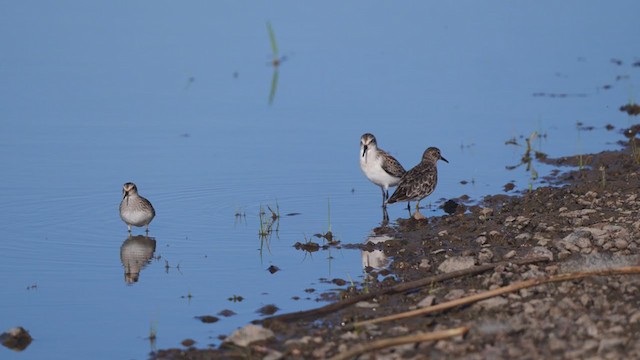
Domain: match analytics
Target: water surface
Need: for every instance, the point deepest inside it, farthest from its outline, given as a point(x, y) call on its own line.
point(175, 97)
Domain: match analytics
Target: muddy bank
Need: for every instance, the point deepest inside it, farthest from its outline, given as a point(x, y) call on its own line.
point(587, 220)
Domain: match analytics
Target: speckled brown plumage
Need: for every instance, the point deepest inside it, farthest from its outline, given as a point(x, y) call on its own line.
point(419, 182)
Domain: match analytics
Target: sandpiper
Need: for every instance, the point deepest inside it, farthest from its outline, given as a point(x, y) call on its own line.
point(379, 167)
point(134, 209)
point(419, 182)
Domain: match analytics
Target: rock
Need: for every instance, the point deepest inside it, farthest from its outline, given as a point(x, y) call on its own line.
point(607, 344)
point(207, 319)
point(454, 294)
point(188, 342)
point(621, 244)
point(578, 213)
point(510, 254)
point(428, 301)
point(539, 251)
point(273, 355)
point(456, 263)
point(486, 211)
point(249, 334)
point(524, 237)
point(634, 318)
point(269, 309)
point(481, 240)
point(227, 313)
point(583, 243)
point(485, 255)
point(350, 335)
point(16, 338)
point(398, 330)
point(425, 264)
point(366, 305)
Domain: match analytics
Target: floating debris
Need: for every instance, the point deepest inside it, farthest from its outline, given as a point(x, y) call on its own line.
point(273, 269)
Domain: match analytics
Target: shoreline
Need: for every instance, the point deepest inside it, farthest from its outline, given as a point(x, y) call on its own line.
point(583, 220)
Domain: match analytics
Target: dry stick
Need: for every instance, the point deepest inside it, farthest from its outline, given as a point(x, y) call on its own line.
point(500, 291)
point(401, 340)
point(400, 288)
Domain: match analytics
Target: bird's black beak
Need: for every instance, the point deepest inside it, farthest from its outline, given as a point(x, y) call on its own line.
point(443, 159)
point(124, 194)
point(364, 150)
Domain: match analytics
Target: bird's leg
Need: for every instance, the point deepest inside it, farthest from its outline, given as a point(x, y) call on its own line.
point(384, 198)
point(129, 226)
point(418, 206)
point(385, 216)
point(147, 229)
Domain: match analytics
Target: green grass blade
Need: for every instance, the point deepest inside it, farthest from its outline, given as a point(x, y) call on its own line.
point(272, 39)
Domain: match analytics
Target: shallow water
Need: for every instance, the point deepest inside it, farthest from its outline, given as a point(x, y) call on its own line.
point(175, 98)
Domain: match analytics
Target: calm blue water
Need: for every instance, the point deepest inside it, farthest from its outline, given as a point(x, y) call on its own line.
point(175, 97)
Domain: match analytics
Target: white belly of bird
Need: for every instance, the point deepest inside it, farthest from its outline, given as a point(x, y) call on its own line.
point(372, 168)
point(136, 217)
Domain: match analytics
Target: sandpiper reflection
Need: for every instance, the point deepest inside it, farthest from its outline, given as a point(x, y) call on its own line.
point(375, 259)
point(135, 253)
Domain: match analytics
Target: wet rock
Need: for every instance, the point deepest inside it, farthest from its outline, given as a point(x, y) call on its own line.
point(450, 207)
point(249, 334)
point(188, 342)
point(268, 309)
point(16, 338)
point(339, 282)
point(207, 319)
point(226, 313)
point(456, 263)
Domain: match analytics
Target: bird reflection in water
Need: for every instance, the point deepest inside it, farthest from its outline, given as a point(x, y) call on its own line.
point(375, 259)
point(135, 253)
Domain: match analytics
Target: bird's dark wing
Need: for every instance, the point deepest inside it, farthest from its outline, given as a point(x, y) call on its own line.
point(391, 165)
